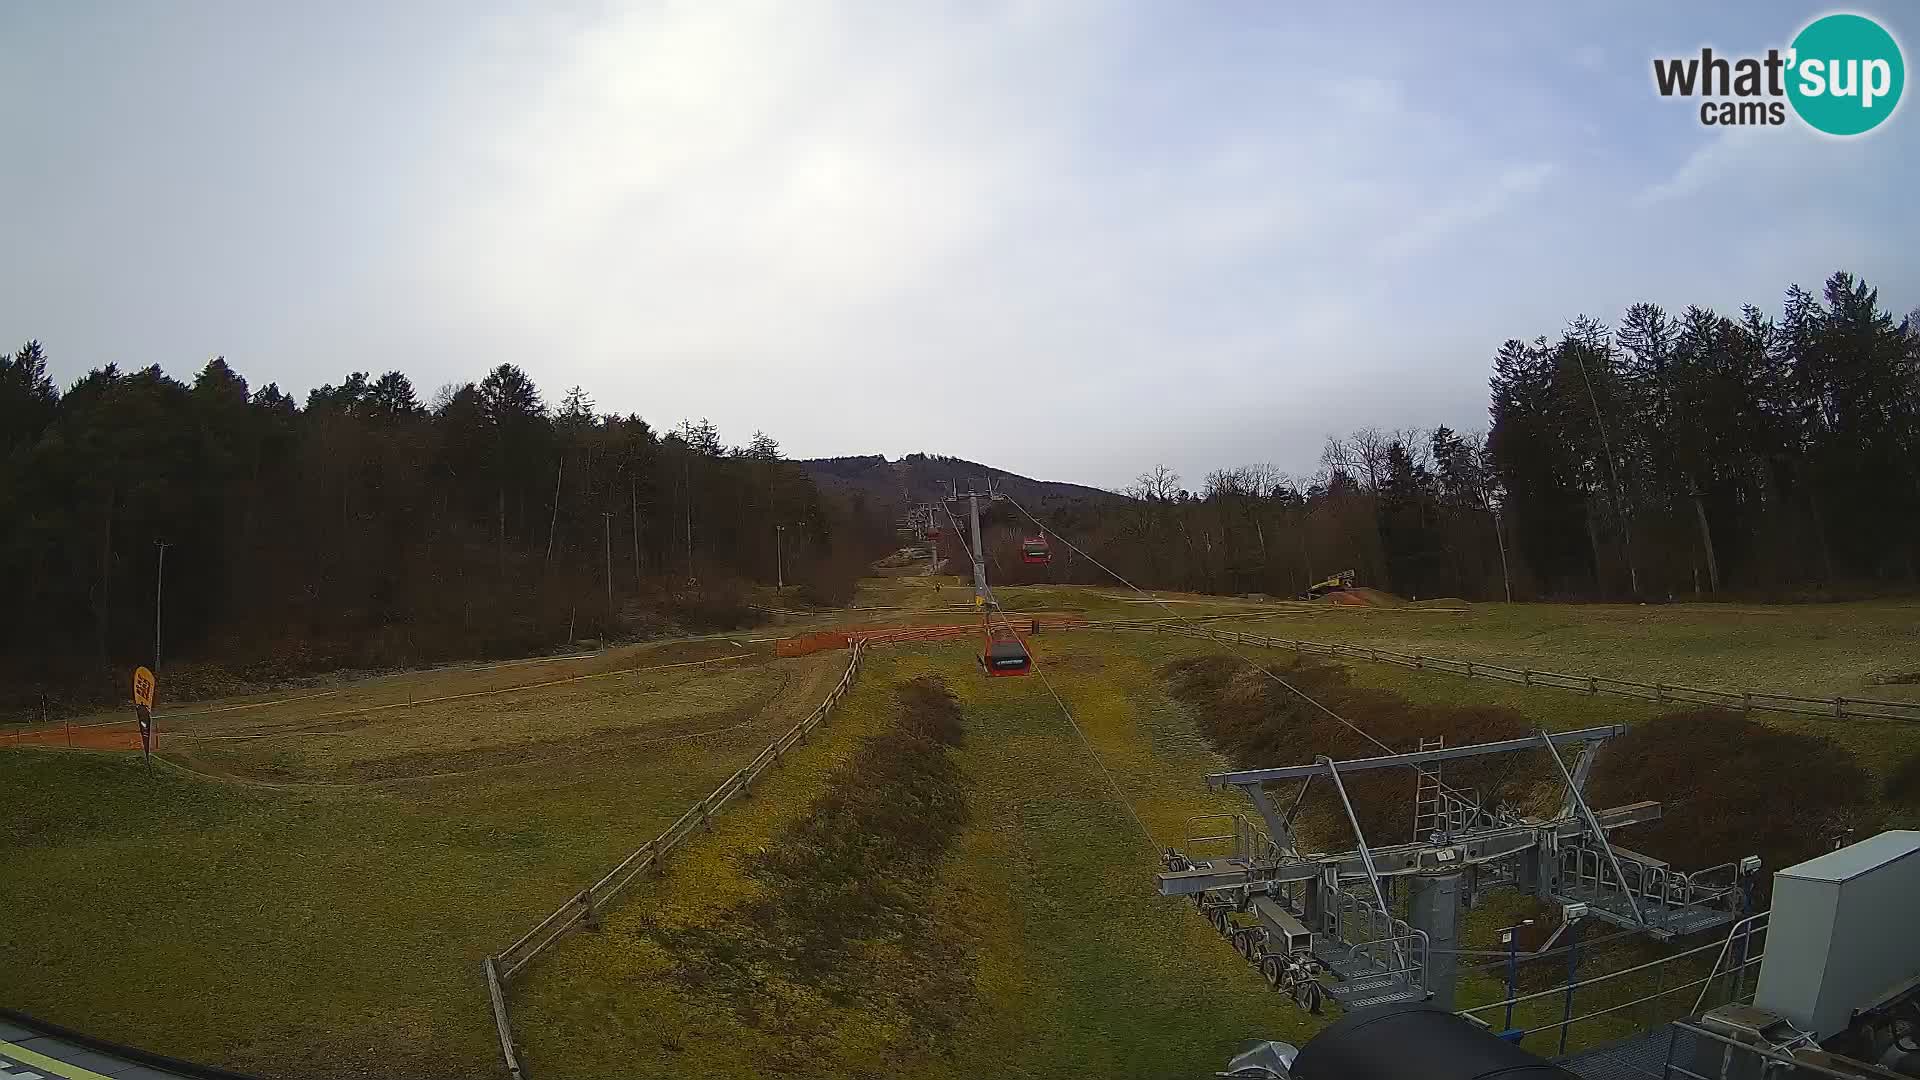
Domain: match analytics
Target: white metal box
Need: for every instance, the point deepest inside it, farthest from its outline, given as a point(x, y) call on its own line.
point(1842, 932)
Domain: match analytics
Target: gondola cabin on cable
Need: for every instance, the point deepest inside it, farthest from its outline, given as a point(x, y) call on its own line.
point(1035, 549)
point(1003, 653)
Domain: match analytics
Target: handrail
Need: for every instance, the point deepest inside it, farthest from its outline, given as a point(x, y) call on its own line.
point(1739, 928)
point(1561, 989)
point(1593, 823)
point(1366, 856)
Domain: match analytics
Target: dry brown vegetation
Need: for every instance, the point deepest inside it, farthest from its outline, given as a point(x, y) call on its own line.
point(1729, 787)
point(1257, 722)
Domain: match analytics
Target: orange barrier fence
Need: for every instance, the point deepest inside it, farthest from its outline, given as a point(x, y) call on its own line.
point(115, 736)
point(824, 640)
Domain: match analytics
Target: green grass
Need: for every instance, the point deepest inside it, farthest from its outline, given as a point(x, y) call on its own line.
point(1077, 967)
point(336, 930)
point(317, 905)
point(1813, 649)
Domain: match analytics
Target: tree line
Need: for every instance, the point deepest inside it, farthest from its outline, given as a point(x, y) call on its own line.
point(1684, 456)
point(367, 528)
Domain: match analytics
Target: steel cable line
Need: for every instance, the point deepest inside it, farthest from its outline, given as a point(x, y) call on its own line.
point(993, 608)
point(1249, 661)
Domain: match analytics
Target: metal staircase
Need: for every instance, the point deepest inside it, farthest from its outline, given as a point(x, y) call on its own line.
point(1375, 959)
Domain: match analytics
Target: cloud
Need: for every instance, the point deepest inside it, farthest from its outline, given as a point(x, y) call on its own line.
point(1474, 207)
point(1069, 238)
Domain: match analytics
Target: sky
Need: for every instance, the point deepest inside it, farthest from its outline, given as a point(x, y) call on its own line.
point(1073, 240)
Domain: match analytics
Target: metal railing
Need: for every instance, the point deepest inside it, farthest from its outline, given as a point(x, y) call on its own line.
point(1586, 873)
point(1729, 963)
point(1838, 707)
point(1735, 956)
point(587, 905)
point(1772, 1060)
point(1246, 841)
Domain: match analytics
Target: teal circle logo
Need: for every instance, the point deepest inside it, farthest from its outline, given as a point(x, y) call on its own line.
point(1846, 74)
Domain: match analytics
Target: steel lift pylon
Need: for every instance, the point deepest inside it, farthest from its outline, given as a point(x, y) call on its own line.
point(1327, 924)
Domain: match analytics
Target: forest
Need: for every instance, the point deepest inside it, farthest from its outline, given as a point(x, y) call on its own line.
point(1668, 457)
point(367, 529)
point(1685, 456)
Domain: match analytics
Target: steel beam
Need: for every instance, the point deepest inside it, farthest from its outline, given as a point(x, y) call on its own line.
point(1217, 781)
point(1398, 859)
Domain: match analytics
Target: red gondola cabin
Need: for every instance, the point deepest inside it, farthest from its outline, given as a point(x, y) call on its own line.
point(1035, 549)
point(1005, 654)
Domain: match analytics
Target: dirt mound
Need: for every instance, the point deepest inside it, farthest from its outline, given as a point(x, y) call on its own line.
point(1730, 787)
point(1441, 603)
point(1363, 597)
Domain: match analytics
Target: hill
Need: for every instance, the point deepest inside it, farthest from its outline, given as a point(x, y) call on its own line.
point(919, 478)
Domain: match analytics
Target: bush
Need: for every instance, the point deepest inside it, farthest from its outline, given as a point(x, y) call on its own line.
point(1731, 787)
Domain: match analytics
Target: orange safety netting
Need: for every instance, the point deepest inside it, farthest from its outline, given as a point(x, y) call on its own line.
point(118, 736)
point(841, 638)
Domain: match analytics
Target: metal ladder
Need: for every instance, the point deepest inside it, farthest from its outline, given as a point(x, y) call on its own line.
point(1429, 805)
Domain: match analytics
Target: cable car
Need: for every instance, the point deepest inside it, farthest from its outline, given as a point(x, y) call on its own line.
point(1004, 654)
point(1035, 549)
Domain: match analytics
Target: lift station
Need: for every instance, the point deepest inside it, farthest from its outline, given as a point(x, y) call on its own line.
point(1325, 924)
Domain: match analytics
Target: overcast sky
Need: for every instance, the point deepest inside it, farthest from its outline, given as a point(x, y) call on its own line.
point(1071, 240)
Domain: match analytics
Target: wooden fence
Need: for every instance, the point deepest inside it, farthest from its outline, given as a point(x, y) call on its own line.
point(586, 906)
point(1837, 707)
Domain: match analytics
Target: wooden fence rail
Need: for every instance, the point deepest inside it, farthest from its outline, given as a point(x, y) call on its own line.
point(587, 905)
point(1746, 701)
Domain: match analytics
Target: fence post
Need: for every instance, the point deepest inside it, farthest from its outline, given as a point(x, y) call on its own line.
point(500, 1025)
point(1419, 662)
point(1660, 693)
point(706, 813)
point(1469, 669)
point(1839, 706)
point(1746, 702)
point(1593, 685)
point(593, 915)
point(1526, 676)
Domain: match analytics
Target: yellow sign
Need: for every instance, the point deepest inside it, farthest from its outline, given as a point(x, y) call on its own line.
point(143, 687)
point(979, 601)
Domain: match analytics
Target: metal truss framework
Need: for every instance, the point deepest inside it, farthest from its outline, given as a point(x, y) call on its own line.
point(1326, 923)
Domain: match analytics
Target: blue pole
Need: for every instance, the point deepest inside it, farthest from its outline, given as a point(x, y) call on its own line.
point(1573, 965)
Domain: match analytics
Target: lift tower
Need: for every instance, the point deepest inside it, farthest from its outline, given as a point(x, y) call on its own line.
point(981, 591)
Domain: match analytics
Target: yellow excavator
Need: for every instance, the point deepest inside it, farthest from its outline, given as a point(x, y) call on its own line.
point(1337, 583)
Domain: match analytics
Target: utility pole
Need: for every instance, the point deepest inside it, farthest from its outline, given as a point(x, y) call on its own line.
point(159, 578)
point(779, 561)
point(607, 517)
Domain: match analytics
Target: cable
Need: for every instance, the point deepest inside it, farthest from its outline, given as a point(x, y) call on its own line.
point(1249, 661)
point(1114, 786)
point(993, 608)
